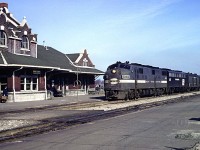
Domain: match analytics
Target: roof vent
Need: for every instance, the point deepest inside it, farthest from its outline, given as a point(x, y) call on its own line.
point(45, 46)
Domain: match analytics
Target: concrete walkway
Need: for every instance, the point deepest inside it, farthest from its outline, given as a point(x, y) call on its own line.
point(10, 106)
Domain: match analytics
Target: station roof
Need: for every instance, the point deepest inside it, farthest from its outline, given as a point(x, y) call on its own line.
point(73, 57)
point(47, 57)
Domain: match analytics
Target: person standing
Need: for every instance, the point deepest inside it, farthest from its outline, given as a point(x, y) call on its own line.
point(5, 92)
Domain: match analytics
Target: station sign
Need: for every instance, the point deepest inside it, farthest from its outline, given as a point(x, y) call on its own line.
point(36, 72)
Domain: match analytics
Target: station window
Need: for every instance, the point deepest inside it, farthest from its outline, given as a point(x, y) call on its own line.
point(3, 83)
point(29, 83)
point(85, 62)
point(3, 38)
point(25, 42)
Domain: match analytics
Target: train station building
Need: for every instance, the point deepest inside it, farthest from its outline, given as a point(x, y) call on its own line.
point(29, 70)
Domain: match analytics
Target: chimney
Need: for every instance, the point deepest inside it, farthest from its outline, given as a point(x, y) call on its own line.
point(2, 5)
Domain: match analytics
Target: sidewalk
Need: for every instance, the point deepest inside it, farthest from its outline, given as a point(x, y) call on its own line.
point(53, 102)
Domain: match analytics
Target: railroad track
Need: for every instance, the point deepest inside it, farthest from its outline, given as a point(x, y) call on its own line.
point(63, 122)
point(112, 105)
point(81, 106)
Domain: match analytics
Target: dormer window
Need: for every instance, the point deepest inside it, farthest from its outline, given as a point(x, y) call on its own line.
point(3, 38)
point(25, 42)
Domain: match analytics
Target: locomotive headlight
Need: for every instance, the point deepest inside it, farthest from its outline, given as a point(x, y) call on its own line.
point(114, 71)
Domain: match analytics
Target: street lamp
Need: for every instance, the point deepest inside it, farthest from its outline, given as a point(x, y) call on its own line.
point(77, 81)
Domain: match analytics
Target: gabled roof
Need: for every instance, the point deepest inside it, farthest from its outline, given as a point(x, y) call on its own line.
point(52, 57)
point(80, 59)
point(47, 57)
point(73, 57)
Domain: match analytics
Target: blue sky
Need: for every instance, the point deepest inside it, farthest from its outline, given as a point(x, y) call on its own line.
point(163, 33)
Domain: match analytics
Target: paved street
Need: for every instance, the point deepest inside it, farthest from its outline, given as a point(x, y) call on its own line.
point(172, 126)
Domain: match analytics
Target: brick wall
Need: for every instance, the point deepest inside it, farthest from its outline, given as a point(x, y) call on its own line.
point(14, 38)
point(85, 56)
point(41, 83)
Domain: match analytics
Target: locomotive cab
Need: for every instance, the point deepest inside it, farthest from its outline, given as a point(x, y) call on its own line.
point(113, 78)
point(131, 81)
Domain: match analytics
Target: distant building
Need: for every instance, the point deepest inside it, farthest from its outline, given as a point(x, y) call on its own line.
point(29, 70)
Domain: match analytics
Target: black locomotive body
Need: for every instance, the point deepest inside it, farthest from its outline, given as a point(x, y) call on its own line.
point(130, 81)
point(192, 82)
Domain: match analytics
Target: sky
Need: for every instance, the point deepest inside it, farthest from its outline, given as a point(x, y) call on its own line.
point(161, 33)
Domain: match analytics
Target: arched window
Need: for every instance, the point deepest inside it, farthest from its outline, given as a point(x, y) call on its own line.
point(3, 38)
point(85, 62)
point(25, 42)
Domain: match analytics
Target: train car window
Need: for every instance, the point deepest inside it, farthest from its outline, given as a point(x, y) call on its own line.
point(164, 73)
point(153, 72)
point(140, 70)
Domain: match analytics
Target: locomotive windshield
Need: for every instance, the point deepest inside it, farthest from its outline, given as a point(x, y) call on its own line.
point(113, 66)
point(125, 66)
point(120, 65)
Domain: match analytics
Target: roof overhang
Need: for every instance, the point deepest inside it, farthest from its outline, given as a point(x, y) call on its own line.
point(27, 66)
point(95, 73)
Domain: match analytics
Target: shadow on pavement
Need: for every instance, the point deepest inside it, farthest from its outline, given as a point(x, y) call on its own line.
point(173, 148)
point(98, 97)
point(195, 119)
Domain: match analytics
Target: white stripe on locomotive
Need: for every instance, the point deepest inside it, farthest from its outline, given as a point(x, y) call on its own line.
point(141, 81)
point(116, 81)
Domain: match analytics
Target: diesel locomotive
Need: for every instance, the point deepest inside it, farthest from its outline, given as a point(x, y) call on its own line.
point(133, 80)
